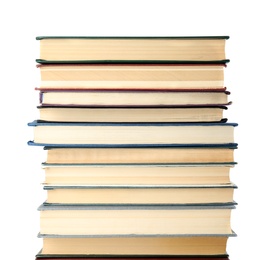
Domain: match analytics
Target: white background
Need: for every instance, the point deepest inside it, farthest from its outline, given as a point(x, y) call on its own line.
point(248, 77)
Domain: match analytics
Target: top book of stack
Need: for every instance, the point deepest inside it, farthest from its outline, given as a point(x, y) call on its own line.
point(152, 50)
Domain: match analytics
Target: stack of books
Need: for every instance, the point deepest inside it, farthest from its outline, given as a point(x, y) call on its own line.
point(138, 148)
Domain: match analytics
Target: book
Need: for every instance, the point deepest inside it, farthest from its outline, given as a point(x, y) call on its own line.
point(131, 76)
point(134, 98)
point(78, 49)
point(138, 220)
point(134, 247)
point(163, 194)
point(132, 134)
point(131, 114)
point(138, 155)
point(136, 174)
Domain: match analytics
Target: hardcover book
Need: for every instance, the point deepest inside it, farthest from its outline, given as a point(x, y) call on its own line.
point(132, 114)
point(140, 194)
point(131, 76)
point(136, 247)
point(106, 174)
point(211, 154)
point(132, 134)
point(134, 98)
point(138, 220)
point(73, 49)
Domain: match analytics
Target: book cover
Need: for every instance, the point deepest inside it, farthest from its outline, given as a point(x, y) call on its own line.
point(226, 37)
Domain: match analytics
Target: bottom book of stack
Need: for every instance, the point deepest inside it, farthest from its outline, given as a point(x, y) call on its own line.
point(128, 247)
point(84, 257)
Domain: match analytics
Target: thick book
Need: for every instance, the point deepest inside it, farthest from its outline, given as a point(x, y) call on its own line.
point(132, 114)
point(136, 98)
point(132, 134)
point(131, 76)
point(138, 220)
point(136, 155)
point(163, 194)
point(109, 174)
point(79, 49)
point(211, 247)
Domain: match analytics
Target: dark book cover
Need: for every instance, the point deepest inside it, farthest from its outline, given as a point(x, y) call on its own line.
point(122, 257)
point(53, 145)
point(139, 90)
point(38, 123)
point(42, 61)
point(226, 37)
point(52, 206)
